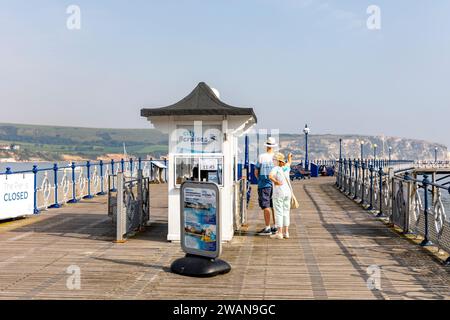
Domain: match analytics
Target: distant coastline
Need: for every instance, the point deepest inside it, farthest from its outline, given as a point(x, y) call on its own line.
point(36, 143)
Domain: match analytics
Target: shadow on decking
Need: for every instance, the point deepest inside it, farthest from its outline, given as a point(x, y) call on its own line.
point(364, 228)
point(134, 263)
point(89, 225)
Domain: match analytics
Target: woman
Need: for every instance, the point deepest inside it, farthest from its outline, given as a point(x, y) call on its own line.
point(281, 197)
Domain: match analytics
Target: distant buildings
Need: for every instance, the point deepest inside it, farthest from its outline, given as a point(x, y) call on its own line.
point(10, 147)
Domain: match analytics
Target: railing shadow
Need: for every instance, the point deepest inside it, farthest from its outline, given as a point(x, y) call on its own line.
point(364, 228)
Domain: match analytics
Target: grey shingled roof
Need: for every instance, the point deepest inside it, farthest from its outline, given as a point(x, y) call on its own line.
point(201, 101)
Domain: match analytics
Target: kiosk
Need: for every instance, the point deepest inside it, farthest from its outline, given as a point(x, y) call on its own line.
point(203, 146)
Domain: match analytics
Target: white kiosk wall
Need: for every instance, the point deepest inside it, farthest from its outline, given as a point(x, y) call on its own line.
point(231, 128)
point(202, 108)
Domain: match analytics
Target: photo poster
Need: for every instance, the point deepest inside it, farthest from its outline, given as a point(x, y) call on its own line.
point(200, 219)
point(16, 195)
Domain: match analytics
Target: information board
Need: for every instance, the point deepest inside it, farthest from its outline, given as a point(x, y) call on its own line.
point(16, 195)
point(200, 218)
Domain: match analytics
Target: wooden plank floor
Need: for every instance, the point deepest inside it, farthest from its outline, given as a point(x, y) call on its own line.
point(332, 243)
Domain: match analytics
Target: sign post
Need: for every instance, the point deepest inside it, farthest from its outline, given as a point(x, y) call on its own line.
point(200, 231)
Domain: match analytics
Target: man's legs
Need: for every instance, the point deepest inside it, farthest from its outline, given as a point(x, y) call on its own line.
point(267, 212)
point(264, 198)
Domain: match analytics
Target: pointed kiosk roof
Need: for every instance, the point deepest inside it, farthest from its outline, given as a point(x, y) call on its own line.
point(201, 101)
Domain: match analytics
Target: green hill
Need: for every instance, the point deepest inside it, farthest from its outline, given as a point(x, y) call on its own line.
point(51, 142)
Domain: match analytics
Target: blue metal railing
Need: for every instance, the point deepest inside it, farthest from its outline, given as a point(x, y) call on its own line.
point(59, 184)
point(388, 189)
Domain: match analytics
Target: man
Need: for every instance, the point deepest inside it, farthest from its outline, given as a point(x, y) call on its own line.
point(262, 170)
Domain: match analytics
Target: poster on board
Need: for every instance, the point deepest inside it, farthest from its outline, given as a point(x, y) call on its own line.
point(200, 234)
point(16, 195)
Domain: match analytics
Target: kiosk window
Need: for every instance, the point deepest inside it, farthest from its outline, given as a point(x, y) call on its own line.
point(198, 169)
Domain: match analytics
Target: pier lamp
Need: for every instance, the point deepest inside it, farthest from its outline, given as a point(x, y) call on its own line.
point(340, 149)
point(306, 131)
point(390, 155)
point(362, 150)
point(375, 146)
point(435, 154)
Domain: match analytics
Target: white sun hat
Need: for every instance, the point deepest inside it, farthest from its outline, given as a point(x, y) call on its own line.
point(271, 142)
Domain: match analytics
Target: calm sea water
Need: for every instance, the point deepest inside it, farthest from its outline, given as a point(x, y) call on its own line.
point(24, 166)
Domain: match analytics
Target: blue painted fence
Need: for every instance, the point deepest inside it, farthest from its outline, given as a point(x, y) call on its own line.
point(59, 184)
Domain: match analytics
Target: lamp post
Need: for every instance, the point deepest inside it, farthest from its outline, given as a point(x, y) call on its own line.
point(435, 154)
point(375, 146)
point(306, 131)
point(340, 149)
point(390, 155)
point(362, 150)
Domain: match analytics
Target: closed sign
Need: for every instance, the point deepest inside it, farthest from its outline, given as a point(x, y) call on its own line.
point(16, 195)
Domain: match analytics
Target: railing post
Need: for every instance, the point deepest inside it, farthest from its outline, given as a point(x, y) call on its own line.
point(165, 170)
point(426, 183)
point(88, 168)
point(102, 178)
point(371, 169)
point(121, 210)
point(349, 191)
point(131, 167)
point(381, 174)
point(139, 163)
point(151, 169)
point(112, 174)
point(35, 171)
point(74, 184)
point(338, 176)
point(55, 180)
point(447, 262)
point(344, 180)
point(356, 179)
point(363, 181)
point(122, 163)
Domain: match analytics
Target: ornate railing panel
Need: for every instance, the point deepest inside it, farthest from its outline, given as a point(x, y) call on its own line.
point(129, 204)
point(62, 183)
point(414, 205)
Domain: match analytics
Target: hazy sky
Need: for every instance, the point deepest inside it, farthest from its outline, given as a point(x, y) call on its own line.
point(293, 61)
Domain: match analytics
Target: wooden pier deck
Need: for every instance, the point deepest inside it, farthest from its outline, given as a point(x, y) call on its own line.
point(333, 241)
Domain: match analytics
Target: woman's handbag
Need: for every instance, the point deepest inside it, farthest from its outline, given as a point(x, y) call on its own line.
point(294, 202)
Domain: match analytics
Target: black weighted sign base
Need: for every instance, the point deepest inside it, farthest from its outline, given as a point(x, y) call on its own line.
point(197, 266)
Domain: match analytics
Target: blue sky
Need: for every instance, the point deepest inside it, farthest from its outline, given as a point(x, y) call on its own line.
point(293, 61)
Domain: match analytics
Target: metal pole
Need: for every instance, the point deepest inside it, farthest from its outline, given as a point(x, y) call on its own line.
point(55, 176)
point(362, 150)
point(426, 183)
point(88, 167)
point(131, 167)
point(35, 171)
point(246, 156)
point(102, 191)
point(350, 176)
point(363, 187)
point(371, 169)
point(112, 176)
point(356, 179)
point(120, 215)
point(74, 189)
point(381, 174)
point(165, 170)
point(306, 152)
